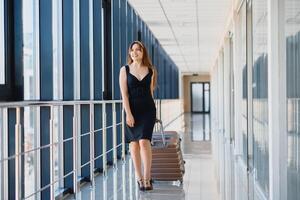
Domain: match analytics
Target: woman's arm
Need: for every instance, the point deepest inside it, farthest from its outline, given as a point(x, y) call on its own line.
point(125, 97)
point(152, 84)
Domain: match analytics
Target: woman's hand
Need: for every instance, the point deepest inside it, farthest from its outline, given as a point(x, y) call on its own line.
point(130, 120)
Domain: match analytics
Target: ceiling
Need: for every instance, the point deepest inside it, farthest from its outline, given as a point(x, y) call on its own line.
point(188, 30)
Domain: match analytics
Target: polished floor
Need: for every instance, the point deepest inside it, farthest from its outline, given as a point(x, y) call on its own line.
point(199, 179)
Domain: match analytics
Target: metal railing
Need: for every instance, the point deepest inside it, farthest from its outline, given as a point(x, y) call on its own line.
point(19, 106)
point(52, 104)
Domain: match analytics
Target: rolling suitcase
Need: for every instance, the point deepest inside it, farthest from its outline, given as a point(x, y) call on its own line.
point(167, 160)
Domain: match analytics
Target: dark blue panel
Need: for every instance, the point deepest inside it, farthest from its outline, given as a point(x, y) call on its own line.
point(11, 152)
point(68, 50)
point(45, 153)
point(116, 47)
point(109, 132)
point(108, 85)
point(98, 137)
point(134, 26)
point(119, 128)
point(17, 48)
point(85, 140)
point(97, 49)
point(129, 25)
point(84, 51)
point(123, 32)
point(164, 79)
point(46, 51)
point(68, 146)
point(46, 90)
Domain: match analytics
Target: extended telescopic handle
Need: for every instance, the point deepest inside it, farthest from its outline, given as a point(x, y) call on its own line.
point(161, 131)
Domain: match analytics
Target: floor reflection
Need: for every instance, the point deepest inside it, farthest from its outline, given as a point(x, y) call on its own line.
point(198, 181)
point(120, 184)
point(200, 125)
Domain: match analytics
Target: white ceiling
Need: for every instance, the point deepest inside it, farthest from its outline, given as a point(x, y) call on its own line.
point(189, 30)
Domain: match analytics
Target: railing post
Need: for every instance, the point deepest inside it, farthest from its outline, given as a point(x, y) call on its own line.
point(104, 138)
point(18, 160)
point(114, 136)
point(75, 186)
point(124, 180)
point(52, 195)
point(92, 163)
point(115, 185)
point(130, 179)
point(123, 133)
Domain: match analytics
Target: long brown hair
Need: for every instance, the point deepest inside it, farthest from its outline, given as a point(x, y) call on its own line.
point(145, 61)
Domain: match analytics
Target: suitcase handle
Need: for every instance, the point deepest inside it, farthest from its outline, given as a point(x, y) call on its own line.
point(161, 131)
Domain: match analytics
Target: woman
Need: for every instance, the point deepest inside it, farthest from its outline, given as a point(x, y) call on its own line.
point(137, 84)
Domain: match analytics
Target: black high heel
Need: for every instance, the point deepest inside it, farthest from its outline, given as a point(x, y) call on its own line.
point(148, 184)
point(141, 184)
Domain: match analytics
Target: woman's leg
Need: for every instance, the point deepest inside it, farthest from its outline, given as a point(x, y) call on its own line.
point(146, 154)
point(136, 157)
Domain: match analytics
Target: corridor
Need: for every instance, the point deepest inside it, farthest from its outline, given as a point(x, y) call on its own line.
point(224, 74)
point(199, 178)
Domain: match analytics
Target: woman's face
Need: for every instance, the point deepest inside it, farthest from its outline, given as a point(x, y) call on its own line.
point(136, 52)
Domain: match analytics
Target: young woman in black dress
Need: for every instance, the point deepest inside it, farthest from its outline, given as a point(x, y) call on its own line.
point(137, 84)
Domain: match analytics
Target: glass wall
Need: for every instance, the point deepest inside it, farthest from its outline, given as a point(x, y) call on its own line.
point(30, 62)
point(241, 46)
point(2, 45)
point(292, 33)
point(30, 49)
point(61, 43)
point(260, 94)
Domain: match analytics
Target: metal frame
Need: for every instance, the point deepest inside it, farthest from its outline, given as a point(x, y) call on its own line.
point(59, 81)
point(76, 36)
point(2, 45)
point(277, 85)
point(91, 47)
point(76, 170)
point(191, 97)
point(4, 154)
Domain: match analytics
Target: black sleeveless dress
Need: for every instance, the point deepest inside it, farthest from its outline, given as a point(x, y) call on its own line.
point(142, 107)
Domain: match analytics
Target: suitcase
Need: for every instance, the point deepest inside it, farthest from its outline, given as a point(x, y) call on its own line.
point(167, 159)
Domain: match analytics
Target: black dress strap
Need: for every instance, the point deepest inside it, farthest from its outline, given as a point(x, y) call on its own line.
point(127, 69)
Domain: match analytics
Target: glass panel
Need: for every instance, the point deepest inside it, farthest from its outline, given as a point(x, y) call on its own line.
point(197, 97)
point(57, 148)
point(242, 64)
point(57, 49)
point(206, 97)
point(207, 127)
point(292, 33)
point(31, 77)
point(30, 159)
point(2, 45)
point(30, 28)
point(2, 145)
point(260, 95)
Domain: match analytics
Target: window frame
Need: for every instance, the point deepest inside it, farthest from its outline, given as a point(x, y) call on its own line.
point(2, 47)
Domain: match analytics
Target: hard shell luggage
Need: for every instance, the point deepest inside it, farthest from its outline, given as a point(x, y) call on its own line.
point(167, 160)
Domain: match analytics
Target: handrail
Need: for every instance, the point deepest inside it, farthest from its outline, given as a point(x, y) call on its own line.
point(54, 103)
point(75, 138)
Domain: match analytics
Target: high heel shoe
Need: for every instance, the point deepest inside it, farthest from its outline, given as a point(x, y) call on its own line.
point(148, 184)
point(141, 184)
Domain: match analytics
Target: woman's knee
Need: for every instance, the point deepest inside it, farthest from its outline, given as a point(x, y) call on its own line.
point(144, 143)
point(134, 146)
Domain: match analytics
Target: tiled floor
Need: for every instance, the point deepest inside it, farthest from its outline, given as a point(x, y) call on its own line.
point(199, 179)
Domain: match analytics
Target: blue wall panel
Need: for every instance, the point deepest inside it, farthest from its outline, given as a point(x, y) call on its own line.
point(85, 140)
point(97, 43)
point(84, 51)
point(68, 145)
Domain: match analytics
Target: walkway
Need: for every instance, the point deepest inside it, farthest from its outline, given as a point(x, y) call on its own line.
point(199, 180)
